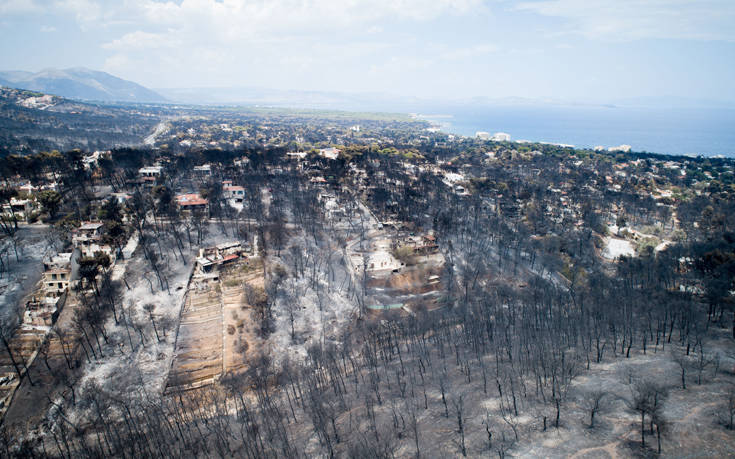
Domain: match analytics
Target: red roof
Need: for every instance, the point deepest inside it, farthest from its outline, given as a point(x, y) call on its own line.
point(230, 257)
point(192, 199)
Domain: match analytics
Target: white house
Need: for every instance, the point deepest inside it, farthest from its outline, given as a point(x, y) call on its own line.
point(329, 153)
point(150, 171)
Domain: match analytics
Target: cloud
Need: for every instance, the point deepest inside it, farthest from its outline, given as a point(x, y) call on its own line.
point(140, 40)
point(237, 17)
point(9, 7)
point(208, 40)
point(474, 52)
point(48, 29)
point(625, 20)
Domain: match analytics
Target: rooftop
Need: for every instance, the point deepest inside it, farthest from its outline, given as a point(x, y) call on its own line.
point(191, 199)
point(90, 226)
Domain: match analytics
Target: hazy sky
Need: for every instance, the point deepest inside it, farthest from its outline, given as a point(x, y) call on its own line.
point(584, 50)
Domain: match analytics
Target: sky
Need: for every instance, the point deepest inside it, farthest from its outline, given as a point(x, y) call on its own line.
point(595, 51)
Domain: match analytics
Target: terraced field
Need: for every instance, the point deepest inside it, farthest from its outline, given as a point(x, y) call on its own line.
point(198, 359)
point(214, 332)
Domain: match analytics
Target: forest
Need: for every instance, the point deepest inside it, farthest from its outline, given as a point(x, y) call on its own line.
point(534, 339)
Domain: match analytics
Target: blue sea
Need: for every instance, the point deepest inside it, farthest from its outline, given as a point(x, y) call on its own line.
point(676, 131)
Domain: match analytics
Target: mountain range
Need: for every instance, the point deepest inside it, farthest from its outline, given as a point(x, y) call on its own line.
point(80, 83)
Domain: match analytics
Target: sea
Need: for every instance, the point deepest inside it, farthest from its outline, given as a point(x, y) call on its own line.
point(674, 131)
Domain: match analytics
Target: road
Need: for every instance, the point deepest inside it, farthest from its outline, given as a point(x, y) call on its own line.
point(161, 128)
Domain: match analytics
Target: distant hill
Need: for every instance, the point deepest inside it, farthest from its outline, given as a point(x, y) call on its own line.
point(320, 100)
point(80, 83)
point(31, 122)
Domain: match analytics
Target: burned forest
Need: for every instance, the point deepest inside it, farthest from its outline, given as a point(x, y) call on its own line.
point(275, 283)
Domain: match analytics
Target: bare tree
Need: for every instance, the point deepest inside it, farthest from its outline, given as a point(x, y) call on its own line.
point(459, 409)
point(594, 402)
point(728, 409)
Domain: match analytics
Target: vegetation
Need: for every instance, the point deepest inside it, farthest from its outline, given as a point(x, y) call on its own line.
point(536, 332)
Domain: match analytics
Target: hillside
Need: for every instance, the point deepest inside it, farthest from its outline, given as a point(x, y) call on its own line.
point(80, 83)
point(33, 122)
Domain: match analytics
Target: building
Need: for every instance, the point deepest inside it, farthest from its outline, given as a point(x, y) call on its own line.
point(121, 198)
point(299, 155)
point(211, 259)
point(56, 274)
point(242, 162)
point(202, 171)
point(149, 175)
point(234, 192)
point(93, 248)
point(422, 245)
point(88, 239)
point(482, 135)
point(329, 153)
point(150, 171)
point(501, 137)
point(92, 160)
point(21, 209)
point(87, 233)
point(192, 201)
point(623, 148)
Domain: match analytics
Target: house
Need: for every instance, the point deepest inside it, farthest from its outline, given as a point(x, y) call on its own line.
point(121, 198)
point(21, 209)
point(429, 244)
point(235, 192)
point(623, 148)
point(329, 153)
point(91, 249)
point(422, 245)
point(93, 159)
point(202, 171)
point(192, 201)
point(56, 274)
point(214, 258)
point(41, 312)
point(149, 175)
point(150, 171)
point(87, 233)
point(299, 155)
point(241, 162)
point(88, 239)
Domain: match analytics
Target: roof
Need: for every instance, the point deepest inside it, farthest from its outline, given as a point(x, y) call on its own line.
point(60, 259)
point(230, 257)
point(90, 226)
point(191, 199)
point(234, 188)
point(204, 261)
point(228, 245)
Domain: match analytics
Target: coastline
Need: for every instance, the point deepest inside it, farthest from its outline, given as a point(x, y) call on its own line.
point(679, 132)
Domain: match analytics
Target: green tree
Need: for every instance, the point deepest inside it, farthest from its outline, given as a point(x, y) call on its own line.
point(51, 201)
